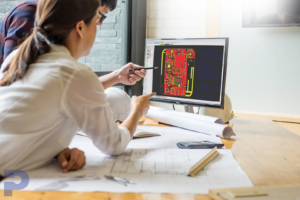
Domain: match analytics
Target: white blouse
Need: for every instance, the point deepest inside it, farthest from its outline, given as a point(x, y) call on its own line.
point(40, 113)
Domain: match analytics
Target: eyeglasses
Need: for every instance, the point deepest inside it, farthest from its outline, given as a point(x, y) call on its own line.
point(103, 17)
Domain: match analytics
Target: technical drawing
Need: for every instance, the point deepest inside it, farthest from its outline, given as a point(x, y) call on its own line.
point(177, 72)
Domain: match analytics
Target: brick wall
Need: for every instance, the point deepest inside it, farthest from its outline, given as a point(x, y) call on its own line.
point(105, 54)
point(176, 18)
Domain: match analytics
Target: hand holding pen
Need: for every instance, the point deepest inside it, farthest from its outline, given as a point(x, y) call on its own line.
point(146, 68)
point(129, 77)
point(131, 73)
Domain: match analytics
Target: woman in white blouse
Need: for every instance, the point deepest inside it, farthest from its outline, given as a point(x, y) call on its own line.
point(45, 94)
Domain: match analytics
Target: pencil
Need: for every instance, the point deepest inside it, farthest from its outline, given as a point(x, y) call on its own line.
point(203, 162)
point(131, 70)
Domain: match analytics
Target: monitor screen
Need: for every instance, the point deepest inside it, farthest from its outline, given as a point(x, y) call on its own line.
point(189, 71)
point(268, 13)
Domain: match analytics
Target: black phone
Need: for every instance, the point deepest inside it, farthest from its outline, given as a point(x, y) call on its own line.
point(199, 145)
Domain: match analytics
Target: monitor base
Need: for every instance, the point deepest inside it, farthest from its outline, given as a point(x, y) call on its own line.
point(188, 109)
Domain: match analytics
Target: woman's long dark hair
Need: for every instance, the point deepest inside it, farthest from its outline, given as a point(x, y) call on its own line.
point(54, 21)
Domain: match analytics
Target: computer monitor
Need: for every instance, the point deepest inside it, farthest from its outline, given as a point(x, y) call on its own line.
point(190, 71)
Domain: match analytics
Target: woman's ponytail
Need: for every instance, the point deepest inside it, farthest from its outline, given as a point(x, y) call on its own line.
point(41, 41)
point(35, 45)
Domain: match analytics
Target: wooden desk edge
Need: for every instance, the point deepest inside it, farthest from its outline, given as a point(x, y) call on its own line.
point(214, 194)
point(62, 195)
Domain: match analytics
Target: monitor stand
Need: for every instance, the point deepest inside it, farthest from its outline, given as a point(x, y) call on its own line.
point(188, 109)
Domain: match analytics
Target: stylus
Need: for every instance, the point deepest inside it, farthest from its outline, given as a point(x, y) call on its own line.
point(131, 70)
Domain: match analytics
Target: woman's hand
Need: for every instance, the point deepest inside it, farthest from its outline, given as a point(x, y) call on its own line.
point(71, 159)
point(140, 106)
point(141, 103)
point(123, 75)
point(130, 78)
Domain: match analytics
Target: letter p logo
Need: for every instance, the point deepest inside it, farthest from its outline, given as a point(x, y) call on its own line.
point(10, 186)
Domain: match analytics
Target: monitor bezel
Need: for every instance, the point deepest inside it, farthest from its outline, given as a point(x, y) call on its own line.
point(153, 99)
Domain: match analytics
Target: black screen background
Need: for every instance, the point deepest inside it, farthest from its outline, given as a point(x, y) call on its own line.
point(207, 71)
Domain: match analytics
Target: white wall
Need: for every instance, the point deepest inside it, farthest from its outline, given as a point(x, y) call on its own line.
point(264, 64)
point(176, 18)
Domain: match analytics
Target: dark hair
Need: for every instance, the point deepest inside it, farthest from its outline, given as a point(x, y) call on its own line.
point(112, 4)
point(54, 21)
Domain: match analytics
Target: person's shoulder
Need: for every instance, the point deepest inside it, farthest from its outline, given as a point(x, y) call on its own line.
point(79, 75)
point(65, 63)
point(27, 5)
point(76, 66)
point(59, 59)
point(80, 70)
point(64, 69)
point(25, 9)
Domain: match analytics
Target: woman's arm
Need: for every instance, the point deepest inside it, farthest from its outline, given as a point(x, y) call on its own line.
point(85, 103)
point(123, 76)
point(139, 107)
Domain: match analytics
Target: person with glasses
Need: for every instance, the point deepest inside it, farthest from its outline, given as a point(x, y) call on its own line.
point(46, 95)
point(18, 23)
point(103, 17)
point(85, 105)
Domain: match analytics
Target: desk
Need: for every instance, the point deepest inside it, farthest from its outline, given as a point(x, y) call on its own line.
point(268, 153)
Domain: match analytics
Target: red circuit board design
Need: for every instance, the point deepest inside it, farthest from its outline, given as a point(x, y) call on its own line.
point(178, 68)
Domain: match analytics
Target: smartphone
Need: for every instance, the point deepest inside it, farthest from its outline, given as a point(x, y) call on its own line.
point(199, 145)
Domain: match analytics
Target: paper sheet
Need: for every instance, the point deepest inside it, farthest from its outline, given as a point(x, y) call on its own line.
point(154, 164)
point(202, 124)
point(139, 133)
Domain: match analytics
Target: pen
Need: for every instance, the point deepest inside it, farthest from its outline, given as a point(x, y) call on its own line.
point(203, 162)
point(131, 70)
